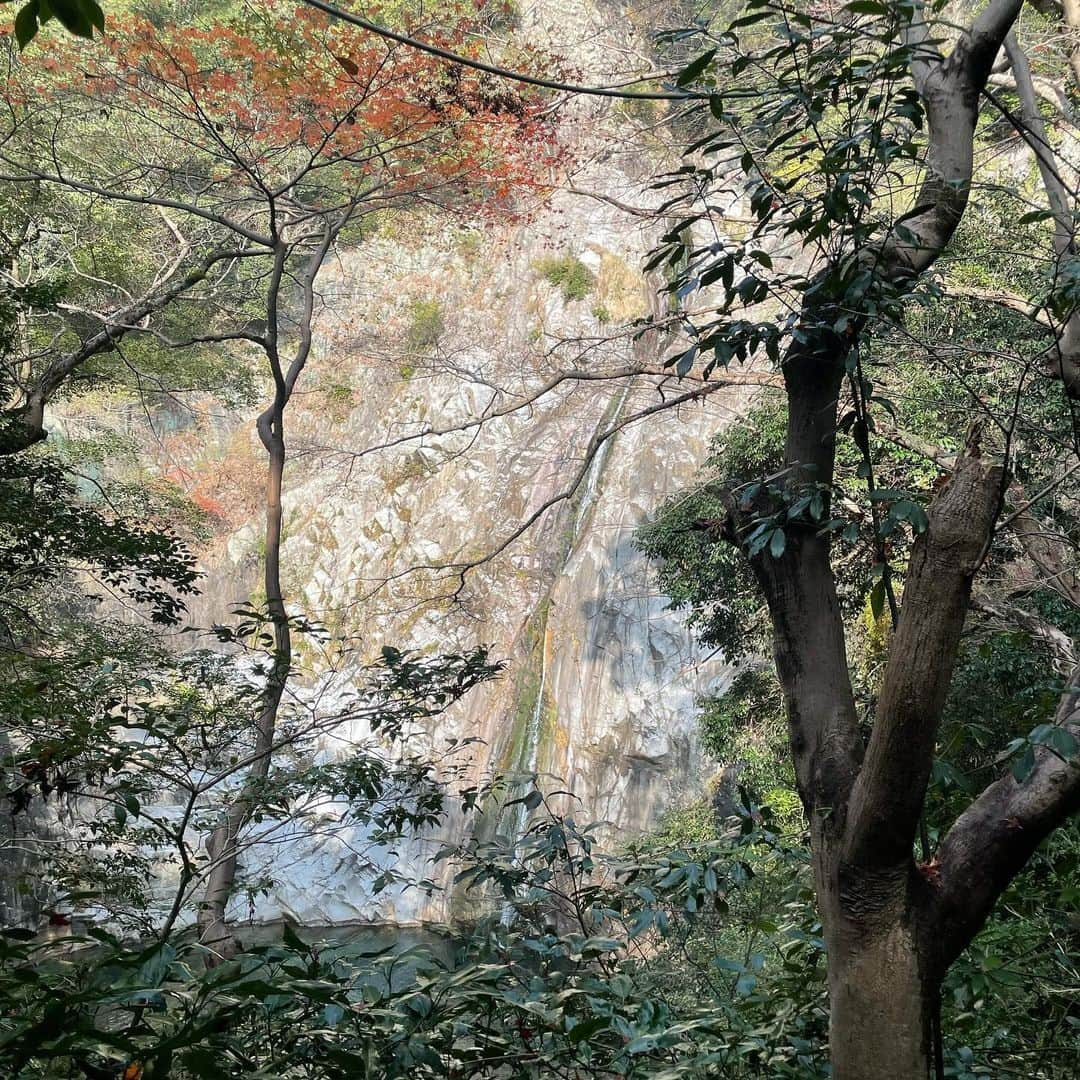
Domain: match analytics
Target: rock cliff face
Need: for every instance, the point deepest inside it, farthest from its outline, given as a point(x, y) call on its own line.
point(425, 333)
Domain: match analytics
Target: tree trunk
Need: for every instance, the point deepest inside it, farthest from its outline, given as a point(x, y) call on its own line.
point(881, 1006)
point(221, 848)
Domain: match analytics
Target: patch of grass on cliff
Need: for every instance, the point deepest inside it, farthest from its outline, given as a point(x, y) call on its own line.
point(568, 274)
point(426, 325)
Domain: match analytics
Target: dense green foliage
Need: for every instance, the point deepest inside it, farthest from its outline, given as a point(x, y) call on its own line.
point(573, 981)
point(677, 958)
point(1012, 995)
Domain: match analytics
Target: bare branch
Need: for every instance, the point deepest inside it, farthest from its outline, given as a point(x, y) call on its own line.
point(1010, 616)
point(1049, 91)
point(1035, 135)
point(1051, 552)
point(731, 378)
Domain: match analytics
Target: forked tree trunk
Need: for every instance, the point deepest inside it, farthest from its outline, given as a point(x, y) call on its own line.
point(891, 927)
point(222, 847)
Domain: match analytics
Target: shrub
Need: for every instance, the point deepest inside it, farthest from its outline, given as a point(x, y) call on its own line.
point(426, 325)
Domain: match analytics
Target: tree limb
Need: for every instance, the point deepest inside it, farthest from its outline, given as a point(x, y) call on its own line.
point(1035, 136)
point(24, 425)
point(950, 90)
point(1010, 616)
point(991, 842)
point(1048, 90)
point(1048, 550)
point(888, 795)
point(1071, 11)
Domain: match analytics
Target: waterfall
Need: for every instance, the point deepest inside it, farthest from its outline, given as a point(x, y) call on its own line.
point(528, 759)
point(596, 467)
point(528, 763)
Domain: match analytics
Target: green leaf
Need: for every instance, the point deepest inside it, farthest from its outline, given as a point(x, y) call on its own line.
point(156, 966)
point(1024, 765)
point(686, 362)
point(26, 24)
point(586, 1029)
point(95, 14)
point(877, 599)
point(292, 940)
point(777, 543)
point(1057, 738)
point(74, 16)
point(749, 20)
point(18, 933)
point(695, 68)
point(917, 519)
point(885, 403)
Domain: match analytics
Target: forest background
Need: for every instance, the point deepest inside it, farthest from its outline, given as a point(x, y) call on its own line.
point(173, 192)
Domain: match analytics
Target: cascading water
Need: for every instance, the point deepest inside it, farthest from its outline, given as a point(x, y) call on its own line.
point(529, 763)
point(592, 479)
point(528, 759)
point(602, 680)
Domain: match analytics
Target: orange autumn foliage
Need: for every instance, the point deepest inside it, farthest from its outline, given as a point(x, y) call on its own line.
point(282, 95)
